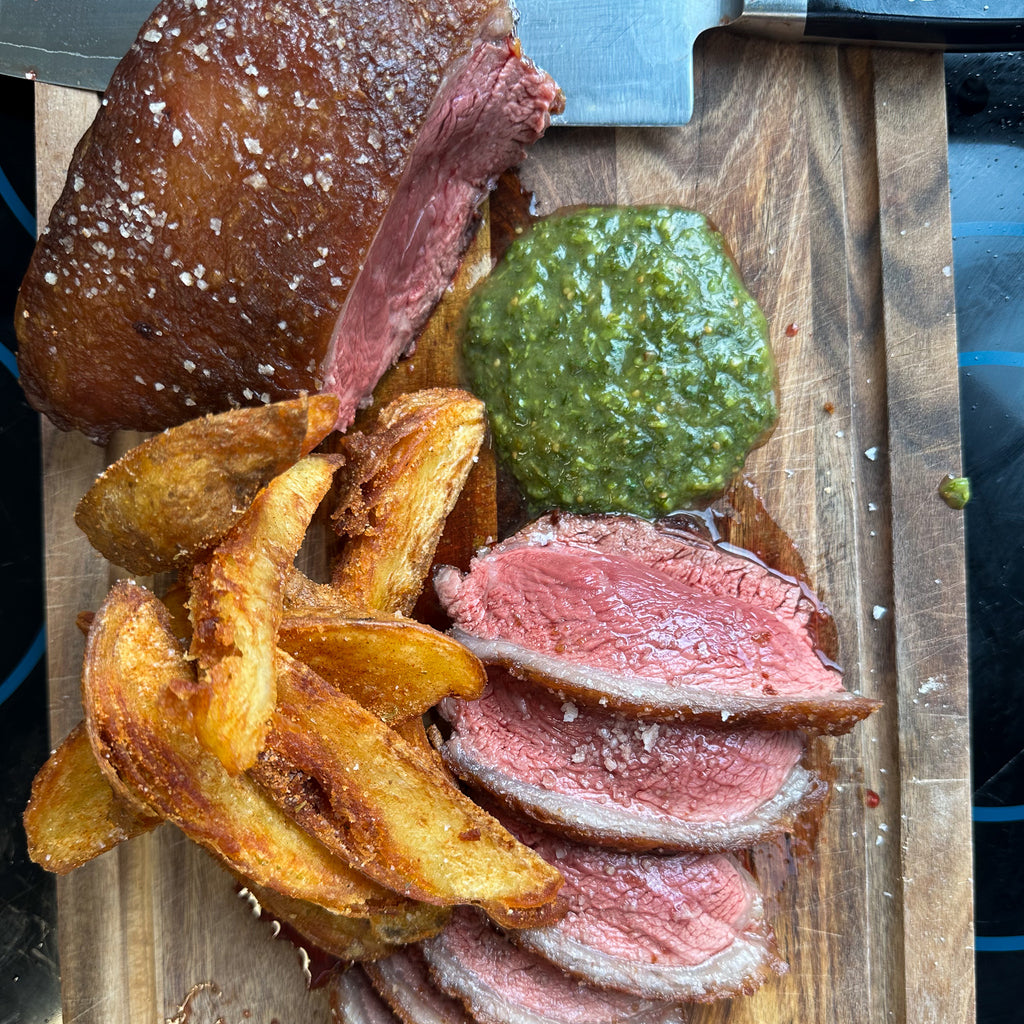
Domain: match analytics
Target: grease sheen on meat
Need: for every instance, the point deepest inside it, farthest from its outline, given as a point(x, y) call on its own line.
point(271, 199)
point(618, 780)
point(678, 928)
point(403, 982)
point(642, 617)
point(500, 983)
point(355, 1001)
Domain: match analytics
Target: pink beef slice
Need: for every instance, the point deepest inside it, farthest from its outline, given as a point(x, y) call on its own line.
point(403, 983)
point(355, 1001)
point(271, 199)
point(647, 618)
point(614, 779)
point(502, 984)
point(686, 927)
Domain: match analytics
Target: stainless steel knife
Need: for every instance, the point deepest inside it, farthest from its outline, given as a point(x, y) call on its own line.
point(619, 62)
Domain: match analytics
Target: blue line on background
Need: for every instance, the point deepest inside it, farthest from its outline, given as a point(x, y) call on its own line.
point(18, 208)
point(1010, 813)
point(8, 361)
point(998, 943)
point(29, 660)
point(34, 654)
point(980, 228)
point(991, 358)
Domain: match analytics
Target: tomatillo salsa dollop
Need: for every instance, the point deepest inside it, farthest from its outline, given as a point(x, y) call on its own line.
point(624, 365)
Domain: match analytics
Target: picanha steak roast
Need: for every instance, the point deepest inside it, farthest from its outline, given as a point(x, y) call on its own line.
point(472, 972)
point(680, 928)
point(270, 200)
point(621, 612)
point(611, 778)
point(654, 711)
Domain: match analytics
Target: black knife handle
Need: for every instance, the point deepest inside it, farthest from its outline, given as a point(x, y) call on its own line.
point(964, 25)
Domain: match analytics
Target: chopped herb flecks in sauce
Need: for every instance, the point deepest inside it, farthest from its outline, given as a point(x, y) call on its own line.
point(624, 365)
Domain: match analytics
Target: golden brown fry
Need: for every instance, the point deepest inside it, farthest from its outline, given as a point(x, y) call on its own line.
point(178, 493)
point(401, 482)
point(73, 813)
point(396, 668)
point(176, 600)
point(381, 802)
point(141, 732)
point(352, 938)
point(414, 731)
point(236, 606)
point(299, 592)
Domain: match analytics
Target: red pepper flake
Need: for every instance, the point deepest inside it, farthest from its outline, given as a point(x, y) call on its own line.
point(792, 330)
point(829, 408)
point(871, 798)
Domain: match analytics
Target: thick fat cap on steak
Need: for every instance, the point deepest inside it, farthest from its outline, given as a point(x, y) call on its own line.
point(614, 779)
point(646, 618)
point(271, 199)
point(502, 984)
point(685, 927)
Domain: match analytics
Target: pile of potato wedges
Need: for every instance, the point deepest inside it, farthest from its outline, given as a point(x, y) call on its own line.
point(277, 719)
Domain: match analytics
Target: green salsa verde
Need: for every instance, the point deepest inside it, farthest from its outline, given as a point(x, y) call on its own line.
point(624, 365)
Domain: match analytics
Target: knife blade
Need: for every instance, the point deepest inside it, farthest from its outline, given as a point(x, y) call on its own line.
point(619, 62)
point(68, 42)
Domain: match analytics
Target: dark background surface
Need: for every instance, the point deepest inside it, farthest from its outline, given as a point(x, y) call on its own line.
point(986, 150)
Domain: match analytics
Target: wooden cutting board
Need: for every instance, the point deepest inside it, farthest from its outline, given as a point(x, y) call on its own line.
point(826, 169)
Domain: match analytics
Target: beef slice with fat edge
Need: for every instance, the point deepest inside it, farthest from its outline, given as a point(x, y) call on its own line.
point(614, 779)
point(500, 983)
point(644, 618)
point(682, 927)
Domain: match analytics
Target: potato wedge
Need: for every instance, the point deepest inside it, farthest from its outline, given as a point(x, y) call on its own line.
point(176, 494)
point(352, 938)
point(236, 605)
point(301, 592)
point(73, 813)
point(396, 668)
point(382, 803)
point(141, 732)
point(400, 482)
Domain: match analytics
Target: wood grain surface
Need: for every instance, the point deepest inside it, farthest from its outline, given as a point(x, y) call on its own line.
point(825, 168)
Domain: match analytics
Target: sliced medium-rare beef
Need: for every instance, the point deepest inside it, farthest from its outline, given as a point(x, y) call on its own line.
point(355, 1001)
point(404, 983)
point(649, 619)
point(502, 984)
point(612, 779)
point(685, 927)
point(271, 199)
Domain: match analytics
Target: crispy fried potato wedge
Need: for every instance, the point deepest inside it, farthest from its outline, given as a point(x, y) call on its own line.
point(396, 668)
point(352, 938)
point(141, 732)
point(236, 605)
point(400, 483)
point(381, 802)
point(175, 598)
point(179, 492)
point(302, 592)
point(74, 814)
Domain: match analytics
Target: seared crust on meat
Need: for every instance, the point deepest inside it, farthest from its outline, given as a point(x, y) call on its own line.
point(680, 928)
point(220, 209)
point(499, 983)
point(620, 612)
point(611, 779)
